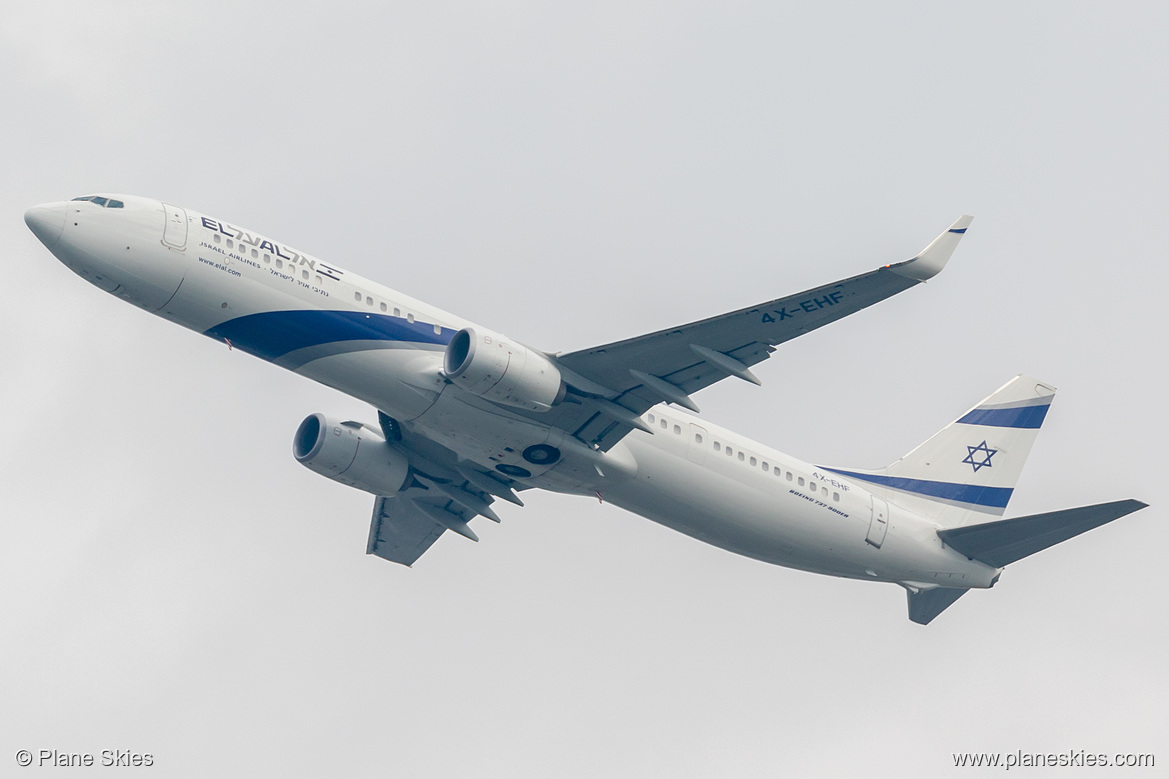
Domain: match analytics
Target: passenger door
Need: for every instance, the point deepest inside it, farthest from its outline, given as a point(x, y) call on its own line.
point(174, 234)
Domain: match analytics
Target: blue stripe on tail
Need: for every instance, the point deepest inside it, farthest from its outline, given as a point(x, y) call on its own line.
point(1024, 417)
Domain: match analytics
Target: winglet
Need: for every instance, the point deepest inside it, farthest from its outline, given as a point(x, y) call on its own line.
point(932, 258)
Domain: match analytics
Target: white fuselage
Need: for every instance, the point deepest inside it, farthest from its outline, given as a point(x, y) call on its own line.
point(263, 297)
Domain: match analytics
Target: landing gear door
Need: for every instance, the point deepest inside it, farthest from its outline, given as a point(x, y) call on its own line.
point(174, 234)
point(879, 524)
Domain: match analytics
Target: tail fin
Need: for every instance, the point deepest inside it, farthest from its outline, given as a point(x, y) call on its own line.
point(967, 471)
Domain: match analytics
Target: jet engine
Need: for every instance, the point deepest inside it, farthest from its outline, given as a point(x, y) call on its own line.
point(498, 369)
point(351, 453)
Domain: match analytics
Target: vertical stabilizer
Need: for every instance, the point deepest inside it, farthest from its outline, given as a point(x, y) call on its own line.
point(966, 472)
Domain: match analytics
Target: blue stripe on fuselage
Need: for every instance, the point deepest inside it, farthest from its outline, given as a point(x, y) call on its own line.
point(992, 497)
point(1026, 416)
point(273, 334)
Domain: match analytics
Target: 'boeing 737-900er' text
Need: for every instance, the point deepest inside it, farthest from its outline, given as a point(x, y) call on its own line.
point(465, 416)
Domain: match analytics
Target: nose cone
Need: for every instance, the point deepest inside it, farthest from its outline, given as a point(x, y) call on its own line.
point(46, 222)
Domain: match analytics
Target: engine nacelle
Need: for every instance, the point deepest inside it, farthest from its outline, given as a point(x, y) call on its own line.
point(350, 453)
point(498, 369)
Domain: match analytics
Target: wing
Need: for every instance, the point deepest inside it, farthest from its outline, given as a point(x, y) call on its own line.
point(443, 494)
point(400, 532)
point(403, 528)
point(614, 384)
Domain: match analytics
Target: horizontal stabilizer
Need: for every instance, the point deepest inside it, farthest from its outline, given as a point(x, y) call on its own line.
point(925, 605)
point(1004, 541)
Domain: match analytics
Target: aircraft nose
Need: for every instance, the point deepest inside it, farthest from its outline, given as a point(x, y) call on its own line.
point(47, 221)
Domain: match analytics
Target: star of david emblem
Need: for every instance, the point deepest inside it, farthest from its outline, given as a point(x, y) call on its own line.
point(979, 456)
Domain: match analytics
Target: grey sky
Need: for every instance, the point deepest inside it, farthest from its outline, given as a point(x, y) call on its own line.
point(175, 583)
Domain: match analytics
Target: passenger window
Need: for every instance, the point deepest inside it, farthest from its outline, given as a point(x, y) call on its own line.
point(789, 475)
point(677, 430)
point(698, 438)
point(216, 238)
point(765, 466)
point(267, 257)
point(740, 457)
point(397, 312)
point(836, 496)
point(410, 318)
point(357, 296)
point(280, 264)
point(651, 418)
point(255, 254)
point(753, 461)
point(800, 481)
point(717, 446)
point(730, 451)
point(664, 424)
point(383, 306)
point(230, 245)
point(438, 329)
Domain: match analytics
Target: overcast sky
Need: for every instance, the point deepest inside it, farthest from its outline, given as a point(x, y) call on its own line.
point(174, 583)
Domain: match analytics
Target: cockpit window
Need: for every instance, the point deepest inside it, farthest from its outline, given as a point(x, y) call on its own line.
point(101, 201)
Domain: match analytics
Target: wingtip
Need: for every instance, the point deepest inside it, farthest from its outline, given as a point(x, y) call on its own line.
point(961, 224)
point(933, 258)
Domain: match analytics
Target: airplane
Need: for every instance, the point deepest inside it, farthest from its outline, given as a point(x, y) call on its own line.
point(466, 415)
